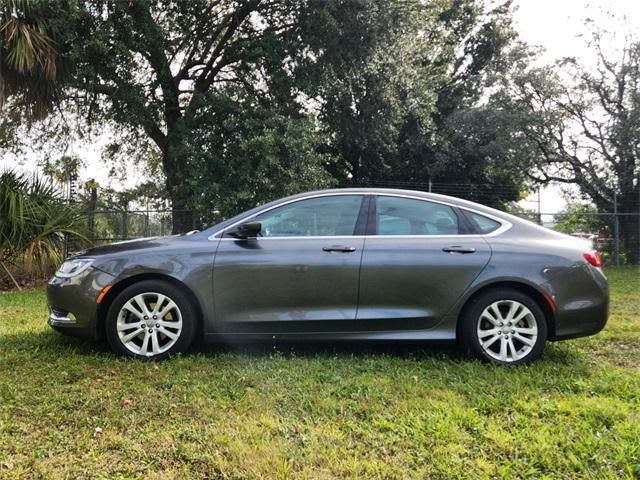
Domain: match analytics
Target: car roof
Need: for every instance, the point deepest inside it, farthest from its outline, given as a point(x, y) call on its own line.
point(401, 192)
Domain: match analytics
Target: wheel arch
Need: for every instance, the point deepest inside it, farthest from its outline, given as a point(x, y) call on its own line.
point(114, 291)
point(529, 290)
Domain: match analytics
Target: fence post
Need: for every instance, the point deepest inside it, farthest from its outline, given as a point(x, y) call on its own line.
point(146, 222)
point(616, 229)
point(125, 230)
point(539, 208)
point(92, 185)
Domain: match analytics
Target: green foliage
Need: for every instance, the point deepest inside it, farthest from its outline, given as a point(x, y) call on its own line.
point(29, 61)
point(70, 408)
point(580, 217)
point(371, 92)
point(33, 221)
point(399, 85)
point(243, 155)
point(522, 212)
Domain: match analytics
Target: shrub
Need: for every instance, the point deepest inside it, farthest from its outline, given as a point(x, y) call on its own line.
point(34, 220)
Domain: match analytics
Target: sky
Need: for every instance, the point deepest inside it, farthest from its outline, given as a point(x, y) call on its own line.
point(555, 25)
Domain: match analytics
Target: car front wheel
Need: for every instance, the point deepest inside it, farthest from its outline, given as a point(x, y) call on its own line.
point(151, 320)
point(503, 326)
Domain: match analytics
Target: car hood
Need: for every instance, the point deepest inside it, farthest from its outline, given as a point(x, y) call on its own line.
point(132, 245)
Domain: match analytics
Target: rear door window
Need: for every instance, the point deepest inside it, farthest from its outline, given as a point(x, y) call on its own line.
point(408, 216)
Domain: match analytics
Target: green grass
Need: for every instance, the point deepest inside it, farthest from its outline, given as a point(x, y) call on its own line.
point(71, 409)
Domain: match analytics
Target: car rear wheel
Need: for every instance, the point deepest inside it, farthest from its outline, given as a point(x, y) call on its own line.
point(151, 320)
point(503, 326)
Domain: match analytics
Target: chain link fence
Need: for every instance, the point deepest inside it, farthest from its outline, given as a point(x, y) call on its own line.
point(602, 229)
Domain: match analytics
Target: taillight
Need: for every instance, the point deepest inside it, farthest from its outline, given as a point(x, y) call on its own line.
point(593, 257)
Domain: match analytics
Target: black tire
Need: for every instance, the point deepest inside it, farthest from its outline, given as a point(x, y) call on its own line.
point(468, 326)
point(185, 310)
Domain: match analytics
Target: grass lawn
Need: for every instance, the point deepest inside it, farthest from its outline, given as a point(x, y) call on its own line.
point(71, 409)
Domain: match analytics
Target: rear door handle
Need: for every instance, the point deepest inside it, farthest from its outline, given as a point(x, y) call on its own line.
point(339, 248)
point(458, 249)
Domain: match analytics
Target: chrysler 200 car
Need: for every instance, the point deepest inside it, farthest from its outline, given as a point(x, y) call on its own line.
point(340, 265)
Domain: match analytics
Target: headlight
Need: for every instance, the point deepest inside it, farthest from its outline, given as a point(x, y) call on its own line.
point(74, 267)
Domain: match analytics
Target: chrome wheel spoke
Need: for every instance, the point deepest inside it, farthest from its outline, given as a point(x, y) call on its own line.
point(526, 331)
point(167, 333)
point(521, 315)
point(155, 345)
point(170, 324)
point(503, 348)
point(131, 309)
point(491, 341)
point(123, 327)
point(159, 302)
point(131, 336)
point(488, 316)
point(168, 307)
point(486, 333)
point(145, 343)
point(139, 299)
point(495, 310)
point(512, 348)
point(527, 341)
point(513, 308)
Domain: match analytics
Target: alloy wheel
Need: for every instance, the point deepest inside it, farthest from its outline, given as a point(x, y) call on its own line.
point(149, 324)
point(507, 330)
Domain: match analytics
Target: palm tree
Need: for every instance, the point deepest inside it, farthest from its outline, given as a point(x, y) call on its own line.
point(34, 220)
point(28, 56)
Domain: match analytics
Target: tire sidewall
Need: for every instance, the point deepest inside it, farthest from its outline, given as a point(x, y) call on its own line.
point(468, 326)
point(187, 310)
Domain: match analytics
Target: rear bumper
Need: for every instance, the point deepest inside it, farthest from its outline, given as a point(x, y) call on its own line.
point(72, 303)
point(582, 304)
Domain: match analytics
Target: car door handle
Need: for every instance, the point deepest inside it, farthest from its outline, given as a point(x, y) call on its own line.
point(339, 248)
point(459, 249)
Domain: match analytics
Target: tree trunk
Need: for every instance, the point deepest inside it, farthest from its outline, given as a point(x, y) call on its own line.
point(181, 217)
point(174, 164)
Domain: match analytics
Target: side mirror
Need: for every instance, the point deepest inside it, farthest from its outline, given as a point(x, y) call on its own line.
point(247, 230)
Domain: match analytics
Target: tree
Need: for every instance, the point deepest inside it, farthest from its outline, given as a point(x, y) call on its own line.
point(244, 154)
point(584, 125)
point(398, 86)
point(64, 171)
point(376, 91)
point(145, 65)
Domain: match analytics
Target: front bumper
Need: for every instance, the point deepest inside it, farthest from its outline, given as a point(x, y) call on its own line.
point(72, 303)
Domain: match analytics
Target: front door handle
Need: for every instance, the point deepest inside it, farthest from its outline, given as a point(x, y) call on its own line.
point(339, 248)
point(458, 249)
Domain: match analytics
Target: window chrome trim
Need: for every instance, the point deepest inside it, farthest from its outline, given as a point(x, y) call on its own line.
point(504, 224)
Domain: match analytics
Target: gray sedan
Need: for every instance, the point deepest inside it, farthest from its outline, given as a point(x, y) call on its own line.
point(340, 265)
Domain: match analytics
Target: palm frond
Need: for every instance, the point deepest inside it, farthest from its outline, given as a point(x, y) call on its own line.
point(34, 220)
point(28, 57)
